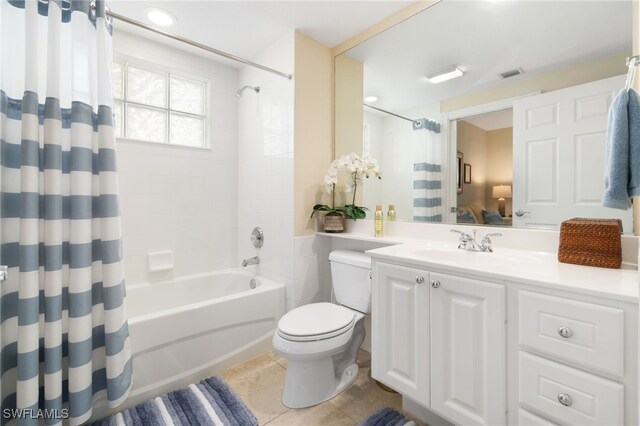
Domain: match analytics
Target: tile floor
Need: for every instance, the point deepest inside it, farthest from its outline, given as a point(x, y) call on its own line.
point(260, 382)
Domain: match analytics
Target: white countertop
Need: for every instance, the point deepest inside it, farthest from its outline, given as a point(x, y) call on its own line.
point(511, 265)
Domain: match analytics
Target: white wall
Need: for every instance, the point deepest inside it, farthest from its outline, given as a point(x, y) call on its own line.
point(265, 163)
point(178, 198)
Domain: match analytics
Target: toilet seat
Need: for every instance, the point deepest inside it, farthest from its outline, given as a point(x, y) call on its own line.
point(317, 321)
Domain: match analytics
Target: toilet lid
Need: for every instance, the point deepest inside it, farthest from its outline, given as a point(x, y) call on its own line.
point(315, 319)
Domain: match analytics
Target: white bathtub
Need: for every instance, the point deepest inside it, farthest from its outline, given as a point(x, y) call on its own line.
point(197, 326)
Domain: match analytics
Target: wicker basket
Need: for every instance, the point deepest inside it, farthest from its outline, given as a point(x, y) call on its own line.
point(591, 242)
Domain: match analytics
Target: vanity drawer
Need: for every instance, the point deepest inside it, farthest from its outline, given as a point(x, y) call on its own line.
point(582, 333)
point(589, 399)
point(525, 418)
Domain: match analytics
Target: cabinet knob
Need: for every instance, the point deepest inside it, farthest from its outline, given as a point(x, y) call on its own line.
point(565, 331)
point(435, 283)
point(419, 279)
point(565, 399)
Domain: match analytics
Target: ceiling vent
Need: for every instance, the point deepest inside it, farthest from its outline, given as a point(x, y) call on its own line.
point(511, 73)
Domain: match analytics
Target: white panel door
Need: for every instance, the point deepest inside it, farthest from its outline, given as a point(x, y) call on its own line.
point(558, 155)
point(468, 356)
point(400, 330)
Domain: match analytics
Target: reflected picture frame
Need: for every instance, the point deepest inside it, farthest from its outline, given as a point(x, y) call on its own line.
point(459, 176)
point(467, 173)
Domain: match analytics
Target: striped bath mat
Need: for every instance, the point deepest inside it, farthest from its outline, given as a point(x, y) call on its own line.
point(387, 417)
point(209, 402)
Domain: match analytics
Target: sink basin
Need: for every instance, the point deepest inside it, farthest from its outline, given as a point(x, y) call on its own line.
point(500, 256)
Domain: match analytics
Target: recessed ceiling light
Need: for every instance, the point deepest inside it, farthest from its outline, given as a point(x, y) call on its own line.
point(445, 74)
point(161, 17)
point(371, 99)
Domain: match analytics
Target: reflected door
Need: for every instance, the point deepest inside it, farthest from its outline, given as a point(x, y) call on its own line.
point(558, 155)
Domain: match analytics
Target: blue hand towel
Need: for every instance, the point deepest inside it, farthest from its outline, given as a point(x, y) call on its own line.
point(622, 154)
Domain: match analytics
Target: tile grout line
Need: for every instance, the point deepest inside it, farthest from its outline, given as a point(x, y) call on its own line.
point(288, 409)
point(276, 417)
point(343, 412)
point(346, 414)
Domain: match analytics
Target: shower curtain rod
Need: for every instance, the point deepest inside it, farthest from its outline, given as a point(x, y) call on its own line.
point(196, 44)
point(391, 113)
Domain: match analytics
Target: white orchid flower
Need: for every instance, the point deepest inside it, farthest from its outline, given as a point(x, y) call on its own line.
point(330, 180)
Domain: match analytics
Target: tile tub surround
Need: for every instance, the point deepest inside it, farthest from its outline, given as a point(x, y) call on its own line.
point(309, 281)
point(266, 161)
point(260, 382)
point(179, 198)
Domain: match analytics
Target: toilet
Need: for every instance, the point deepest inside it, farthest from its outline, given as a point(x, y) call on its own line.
point(321, 340)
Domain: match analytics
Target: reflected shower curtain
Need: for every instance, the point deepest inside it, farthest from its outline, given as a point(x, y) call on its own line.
point(64, 335)
point(427, 171)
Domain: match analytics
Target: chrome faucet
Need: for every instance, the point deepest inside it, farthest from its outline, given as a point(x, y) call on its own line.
point(469, 242)
point(485, 243)
point(466, 241)
point(255, 260)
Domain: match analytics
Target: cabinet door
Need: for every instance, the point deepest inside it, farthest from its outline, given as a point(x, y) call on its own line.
point(468, 356)
point(400, 335)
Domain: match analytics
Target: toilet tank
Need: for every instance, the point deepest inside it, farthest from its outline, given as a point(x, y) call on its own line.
point(350, 273)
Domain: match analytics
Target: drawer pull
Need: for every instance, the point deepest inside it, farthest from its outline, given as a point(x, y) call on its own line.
point(435, 283)
point(565, 332)
point(419, 280)
point(565, 399)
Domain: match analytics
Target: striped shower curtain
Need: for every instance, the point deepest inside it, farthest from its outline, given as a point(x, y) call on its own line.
point(427, 171)
point(64, 340)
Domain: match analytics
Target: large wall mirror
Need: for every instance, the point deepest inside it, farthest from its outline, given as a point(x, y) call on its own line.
point(487, 112)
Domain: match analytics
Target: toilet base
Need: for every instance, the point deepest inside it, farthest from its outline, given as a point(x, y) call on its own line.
point(319, 370)
point(315, 382)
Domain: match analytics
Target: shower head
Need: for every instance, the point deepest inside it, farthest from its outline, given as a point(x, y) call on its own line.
point(254, 88)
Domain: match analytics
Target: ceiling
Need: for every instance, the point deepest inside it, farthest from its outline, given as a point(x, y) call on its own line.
point(245, 28)
point(492, 120)
point(485, 38)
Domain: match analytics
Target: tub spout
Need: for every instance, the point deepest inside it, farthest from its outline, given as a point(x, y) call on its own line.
point(251, 261)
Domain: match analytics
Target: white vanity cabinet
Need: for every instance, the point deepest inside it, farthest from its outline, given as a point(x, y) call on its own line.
point(479, 349)
point(440, 340)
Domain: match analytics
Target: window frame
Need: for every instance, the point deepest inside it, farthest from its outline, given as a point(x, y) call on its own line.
point(125, 61)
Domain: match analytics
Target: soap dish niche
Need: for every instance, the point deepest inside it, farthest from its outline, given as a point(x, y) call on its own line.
point(161, 261)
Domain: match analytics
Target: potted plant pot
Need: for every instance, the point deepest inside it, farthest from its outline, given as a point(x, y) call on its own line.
point(333, 223)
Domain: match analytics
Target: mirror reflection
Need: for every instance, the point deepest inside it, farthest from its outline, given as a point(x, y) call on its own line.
point(487, 112)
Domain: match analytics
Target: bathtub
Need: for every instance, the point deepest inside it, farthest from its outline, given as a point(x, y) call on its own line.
point(194, 327)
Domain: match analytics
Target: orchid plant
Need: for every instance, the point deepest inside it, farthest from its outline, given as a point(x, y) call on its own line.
point(357, 167)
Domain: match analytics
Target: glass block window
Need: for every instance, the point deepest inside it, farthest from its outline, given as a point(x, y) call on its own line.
point(154, 105)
